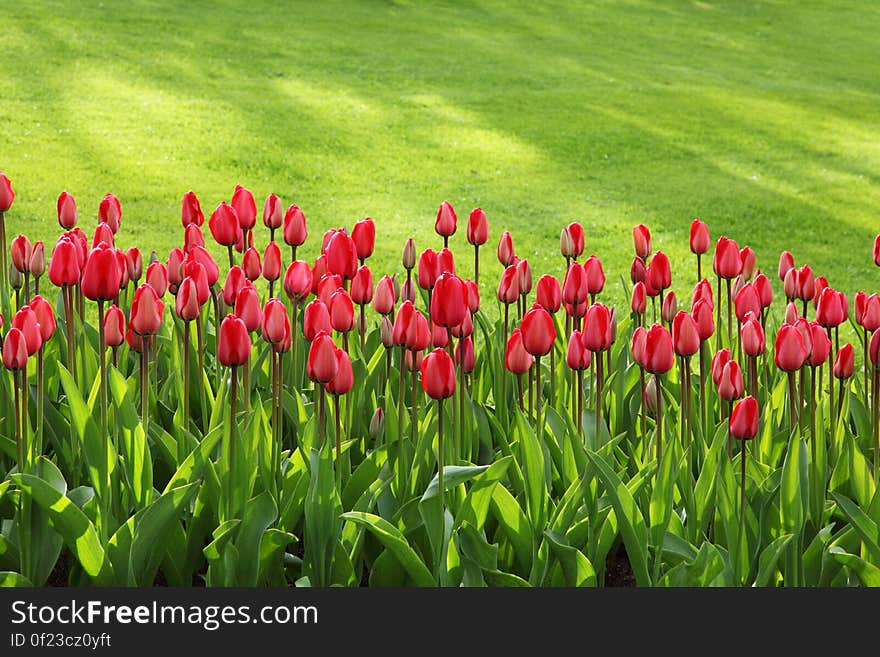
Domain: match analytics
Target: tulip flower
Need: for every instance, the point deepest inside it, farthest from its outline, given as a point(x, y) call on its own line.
point(37, 263)
point(191, 210)
point(548, 293)
point(786, 263)
point(294, 231)
point(505, 249)
point(272, 265)
point(114, 330)
point(843, 365)
point(384, 297)
point(744, 426)
point(659, 273)
point(341, 312)
point(669, 307)
point(747, 260)
point(699, 242)
point(251, 264)
point(638, 271)
point(730, 386)
point(642, 242)
point(146, 311)
point(110, 212)
point(225, 227)
point(524, 272)
point(273, 215)
point(445, 223)
point(477, 235)
point(877, 253)
point(464, 355)
point(364, 236)
point(595, 276)
point(789, 354)
point(67, 214)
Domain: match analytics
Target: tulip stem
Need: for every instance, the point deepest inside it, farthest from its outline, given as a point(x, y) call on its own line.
point(4, 274)
point(461, 391)
point(145, 385)
point(182, 445)
point(413, 417)
point(440, 455)
point(401, 404)
point(229, 251)
point(233, 399)
point(338, 422)
point(729, 315)
point(597, 357)
point(538, 423)
point(742, 496)
point(477, 264)
point(552, 373)
point(531, 390)
point(319, 392)
point(792, 397)
point(867, 365)
point(294, 372)
point(718, 317)
point(41, 400)
point(579, 405)
point(703, 388)
point(362, 329)
point(830, 377)
point(67, 298)
point(216, 303)
point(642, 409)
point(17, 404)
point(519, 387)
point(246, 382)
point(659, 417)
point(875, 392)
point(699, 268)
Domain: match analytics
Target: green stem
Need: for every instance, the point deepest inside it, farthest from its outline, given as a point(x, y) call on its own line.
point(182, 445)
point(233, 399)
point(337, 422)
point(659, 382)
point(597, 357)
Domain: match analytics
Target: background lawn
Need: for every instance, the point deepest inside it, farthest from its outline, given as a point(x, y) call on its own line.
point(760, 117)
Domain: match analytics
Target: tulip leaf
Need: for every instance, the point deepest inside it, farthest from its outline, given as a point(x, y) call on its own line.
point(393, 540)
point(868, 573)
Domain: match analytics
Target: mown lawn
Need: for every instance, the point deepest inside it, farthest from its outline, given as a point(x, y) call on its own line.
point(760, 117)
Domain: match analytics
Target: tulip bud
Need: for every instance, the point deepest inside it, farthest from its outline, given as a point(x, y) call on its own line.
point(790, 352)
point(316, 319)
point(186, 305)
point(730, 386)
point(343, 381)
point(146, 311)
point(464, 355)
point(251, 265)
point(791, 314)
point(719, 360)
point(341, 311)
point(37, 263)
point(362, 286)
point(642, 241)
point(134, 263)
point(877, 250)
point(114, 326)
point(273, 213)
point(669, 307)
point(639, 301)
point(871, 314)
point(843, 364)
point(699, 241)
point(67, 214)
point(744, 419)
point(110, 212)
point(576, 231)
point(427, 274)
point(702, 314)
point(790, 284)
point(449, 301)
point(786, 263)
point(272, 262)
point(651, 397)
point(364, 237)
point(102, 274)
point(752, 336)
point(566, 244)
point(508, 286)
point(7, 195)
point(594, 275)
point(386, 332)
point(64, 267)
point(820, 346)
point(516, 358)
point(577, 357)
point(45, 317)
point(549, 294)
point(505, 249)
point(21, 253)
point(747, 301)
point(640, 336)
point(224, 225)
point(638, 272)
point(295, 232)
point(747, 258)
point(15, 352)
point(539, 332)
point(384, 298)
point(659, 355)
point(445, 262)
point(596, 335)
point(438, 375)
point(377, 424)
point(234, 343)
point(174, 268)
point(764, 290)
point(806, 283)
point(445, 223)
point(25, 320)
point(685, 335)
point(659, 273)
point(191, 210)
point(298, 281)
point(478, 227)
point(15, 278)
point(408, 291)
point(727, 263)
point(474, 296)
point(409, 254)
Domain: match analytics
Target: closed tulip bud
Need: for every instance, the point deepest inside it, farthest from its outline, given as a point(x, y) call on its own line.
point(15, 351)
point(803, 327)
point(15, 278)
point(146, 311)
point(877, 250)
point(464, 355)
point(408, 291)
point(478, 227)
point(298, 281)
point(445, 262)
point(738, 283)
point(341, 311)
point(377, 424)
point(747, 258)
point(747, 301)
point(651, 397)
point(110, 212)
point(843, 364)
point(640, 337)
point(123, 268)
point(135, 341)
point(191, 210)
point(316, 318)
point(438, 375)
point(403, 323)
point(642, 241)
point(752, 336)
point(505, 249)
point(64, 266)
point(272, 262)
point(871, 314)
point(364, 236)
point(439, 335)
point(685, 336)
point(318, 271)
point(247, 308)
point(235, 280)
point(659, 354)
point(786, 264)
point(45, 317)
point(702, 290)
point(764, 290)
point(577, 357)
point(186, 305)
point(744, 419)
point(174, 268)
point(830, 311)
point(25, 320)
point(820, 284)
point(638, 272)
point(539, 332)
point(384, 298)
point(576, 231)
point(386, 332)
point(327, 286)
point(234, 343)
point(408, 259)
point(474, 296)
point(727, 263)
point(790, 284)
point(114, 326)
point(597, 328)
point(419, 334)
point(295, 232)
point(342, 256)
point(806, 283)
point(102, 274)
point(224, 225)
point(466, 328)
point(874, 349)
point(791, 314)
point(362, 286)
point(201, 255)
point(594, 274)
point(446, 220)
point(790, 352)
point(134, 263)
point(860, 301)
point(730, 386)
point(245, 207)
point(820, 347)
point(719, 360)
point(574, 287)
point(251, 264)
point(524, 270)
point(516, 358)
point(449, 303)
point(21, 253)
point(427, 269)
point(508, 286)
point(699, 237)
point(669, 307)
point(638, 303)
point(659, 272)
point(343, 381)
point(37, 261)
point(67, 214)
point(283, 345)
point(702, 314)
point(566, 244)
point(273, 212)
point(549, 294)
point(7, 195)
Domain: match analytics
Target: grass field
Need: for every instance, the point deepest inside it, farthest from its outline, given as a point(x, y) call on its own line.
point(760, 117)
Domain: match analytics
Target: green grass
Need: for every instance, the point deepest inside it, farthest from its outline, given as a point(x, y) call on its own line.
point(760, 117)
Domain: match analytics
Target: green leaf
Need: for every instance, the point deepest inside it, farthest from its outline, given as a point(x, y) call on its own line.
point(259, 513)
point(769, 558)
point(13, 580)
point(868, 573)
point(393, 540)
point(514, 524)
point(322, 524)
point(866, 528)
point(632, 524)
point(577, 568)
point(532, 457)
point(793, 489)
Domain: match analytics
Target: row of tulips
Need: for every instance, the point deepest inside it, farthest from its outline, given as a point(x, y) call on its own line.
point(549, 443)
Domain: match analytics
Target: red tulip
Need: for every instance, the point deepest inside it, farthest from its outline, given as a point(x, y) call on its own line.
point(744, 419)
point(342, 256)
point(659, 272)
point(764, 290)
point(820, 345)
point(25, 320)
point(819, 284)
point(659, 355)
point(730, 386)
point(191, 210)
point(362, 286)
point(7, 195)
point(786, 263)
point(224, 225)
point(597, 333)
point(276, 324)
point(439, 336)
point(639, 301)
point(343, 380)
point(295, 232)
point(574, 287)
point(135, 341)
point(702, 314)
point(806, 283)
point(45, 316)
point(478, 227)
point(273, 212)
point(316, 318)
point(446, 220)
point(114, 326)
point(752, 335)
point(685, 334)
point(201, 255)
point(235, 280)
point(832, 308)
point(438, 375)
point(146, 311)
point(21, 253)
point(699, 237)
point(640, 337)
point(747, 258)
point(427, 273)
point(245, 207)
point(196, 272)
point(247, 308)
point(669, 307)
point(110, 212)
point(187, 302)
point(874, 349)
point(445, 262)
point(328, 284)
point(192, 237)
point(638, 272)
point(466, 328)
point(464, 355)
point(727, 263)
point(175, 267)
point(747, 301)
point(364, 236)
point(384, 298)
point(877, 250)
point(341, 311)
point(508, 286)
point(234, 343)
point(251, 264)
point(804, 328)
point(64, 266)
point(790, 352)
point(101, 274)
point(449, 303)
point(403, 323)
point(272, 262)
point(576, 232)
point(642, 242)
point(37, 264)
point(516, 358)
point(505, 249)
point(298, 281)
point(15, 351)
point(539, 332)
point(594, 275)
point(719, 360)
point(549, 294)
point(790, 284)
point(419, 334)
point(123, 268)
point(843, 364)
point(473, 295)
point(67, 214)
point(578, 357)
point(871, 315)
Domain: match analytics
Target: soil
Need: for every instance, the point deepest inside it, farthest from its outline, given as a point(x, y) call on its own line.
point(61, 572)
point(618, 571)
